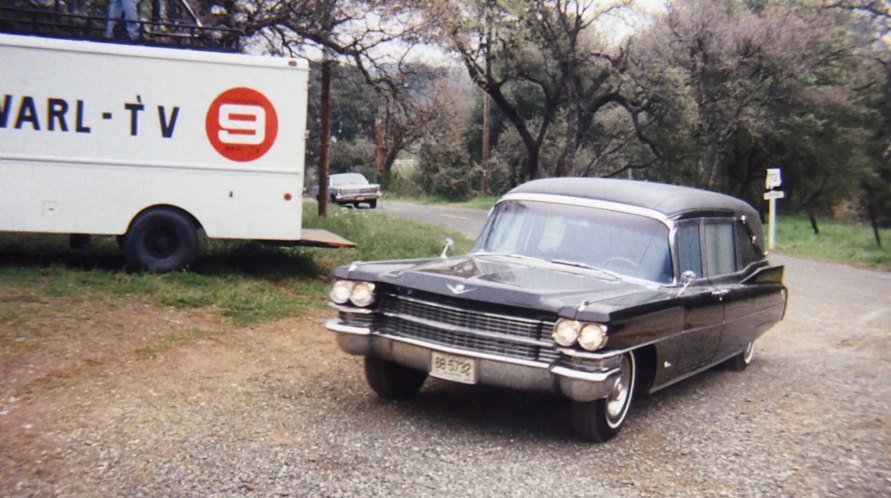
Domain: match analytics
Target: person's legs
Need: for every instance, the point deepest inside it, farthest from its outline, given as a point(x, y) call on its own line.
point(130, 14)
point(114, 13)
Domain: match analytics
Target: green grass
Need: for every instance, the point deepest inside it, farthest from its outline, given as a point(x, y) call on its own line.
point(248, 281)
point(852, 244)
point(484, 202)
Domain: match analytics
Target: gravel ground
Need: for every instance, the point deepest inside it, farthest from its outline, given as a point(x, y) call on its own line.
point(278, 410)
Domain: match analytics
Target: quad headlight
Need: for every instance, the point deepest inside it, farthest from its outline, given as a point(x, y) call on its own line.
point(566, 332)
point(340, 293)
point(360, 294)
point(593, 336)
point(363, 294)
point(590, 336)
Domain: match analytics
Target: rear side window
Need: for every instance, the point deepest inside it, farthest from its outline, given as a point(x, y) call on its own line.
point(746, 251)
point(690, 249)
point(720, 248)
point(713, 247)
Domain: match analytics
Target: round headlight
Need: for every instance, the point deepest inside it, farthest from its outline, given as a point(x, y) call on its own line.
point(593, 336)
point(340, 293)
point(566, 332)
point(363, 294)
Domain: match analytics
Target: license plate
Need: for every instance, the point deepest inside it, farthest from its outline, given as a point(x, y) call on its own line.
point(454, 368)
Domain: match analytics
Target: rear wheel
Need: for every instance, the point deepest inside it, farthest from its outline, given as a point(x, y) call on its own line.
point(602, 419)
point(741, 361)
point(161, 239)
point(392, 380)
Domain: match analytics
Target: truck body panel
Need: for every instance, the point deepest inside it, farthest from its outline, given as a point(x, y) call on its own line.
point(92, 134)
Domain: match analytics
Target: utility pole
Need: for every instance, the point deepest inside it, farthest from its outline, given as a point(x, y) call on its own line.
point(379, 144)
point(325, 139)
point(487, 106)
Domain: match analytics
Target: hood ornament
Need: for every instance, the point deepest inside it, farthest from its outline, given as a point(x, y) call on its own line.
point(459, 289)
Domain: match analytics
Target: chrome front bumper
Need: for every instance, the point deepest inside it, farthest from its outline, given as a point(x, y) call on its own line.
point(578, 378)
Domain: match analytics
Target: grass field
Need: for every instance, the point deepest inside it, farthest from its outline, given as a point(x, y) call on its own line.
point(852, 244)
point(247, 281)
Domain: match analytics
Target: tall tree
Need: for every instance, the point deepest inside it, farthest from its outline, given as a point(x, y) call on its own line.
point(545, 49)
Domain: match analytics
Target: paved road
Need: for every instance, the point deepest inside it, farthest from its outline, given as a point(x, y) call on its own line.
point(467, 221)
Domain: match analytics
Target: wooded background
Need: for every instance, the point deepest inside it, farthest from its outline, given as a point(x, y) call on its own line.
point(472, 97)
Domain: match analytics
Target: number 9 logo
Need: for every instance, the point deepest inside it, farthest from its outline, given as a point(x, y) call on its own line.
point(241, 124)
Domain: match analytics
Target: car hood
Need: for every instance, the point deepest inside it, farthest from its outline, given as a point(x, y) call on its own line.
point(526, 283)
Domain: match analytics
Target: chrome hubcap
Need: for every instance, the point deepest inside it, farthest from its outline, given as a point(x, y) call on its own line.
point(618, 398)
point(749, 353)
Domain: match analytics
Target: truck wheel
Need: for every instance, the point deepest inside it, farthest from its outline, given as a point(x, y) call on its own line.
point(602, 419)
point(372, 204)
point(161, 240)
point(392, 380)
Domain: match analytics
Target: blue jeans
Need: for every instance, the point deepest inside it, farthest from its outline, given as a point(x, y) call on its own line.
point(128, 9)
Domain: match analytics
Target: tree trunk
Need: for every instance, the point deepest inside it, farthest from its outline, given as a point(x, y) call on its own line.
point(874, 221)
point(812, 216)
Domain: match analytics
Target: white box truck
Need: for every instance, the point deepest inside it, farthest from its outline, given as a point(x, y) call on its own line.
point(152, 144)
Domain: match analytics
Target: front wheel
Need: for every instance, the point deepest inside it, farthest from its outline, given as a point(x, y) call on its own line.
point(602, 419)
point(372, 204)
point(741, 361)
point(392, 380)
point(161, 239)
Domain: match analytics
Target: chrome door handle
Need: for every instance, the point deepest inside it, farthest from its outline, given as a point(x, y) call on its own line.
point(720, 292)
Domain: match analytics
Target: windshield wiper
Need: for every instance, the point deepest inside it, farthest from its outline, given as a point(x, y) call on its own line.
point(509, 255)
point(579, 264)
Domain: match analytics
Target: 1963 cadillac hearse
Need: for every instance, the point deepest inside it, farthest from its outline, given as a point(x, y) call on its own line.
point(592, 288)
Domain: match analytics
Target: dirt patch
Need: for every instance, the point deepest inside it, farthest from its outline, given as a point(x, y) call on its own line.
point(82, 382)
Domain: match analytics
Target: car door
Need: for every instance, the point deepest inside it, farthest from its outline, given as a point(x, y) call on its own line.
point(733, 252)
point(702, 301)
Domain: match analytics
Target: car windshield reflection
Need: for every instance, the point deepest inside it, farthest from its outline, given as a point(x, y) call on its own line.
point(621, 243)
point(347, 179)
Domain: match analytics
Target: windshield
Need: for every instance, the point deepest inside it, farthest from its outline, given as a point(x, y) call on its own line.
point(622, 243)
point(347, 179)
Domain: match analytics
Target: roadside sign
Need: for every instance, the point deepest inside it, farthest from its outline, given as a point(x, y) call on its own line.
point(773, 179)
point(774, 194)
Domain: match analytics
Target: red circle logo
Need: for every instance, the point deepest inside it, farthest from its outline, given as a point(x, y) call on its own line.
point(241, 124)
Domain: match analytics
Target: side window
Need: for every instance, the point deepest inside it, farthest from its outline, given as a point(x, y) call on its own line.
point(720, 248)
point(746, 251)
point(689, 249)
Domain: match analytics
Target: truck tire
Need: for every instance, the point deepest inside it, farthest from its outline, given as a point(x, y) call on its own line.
point(160, 240)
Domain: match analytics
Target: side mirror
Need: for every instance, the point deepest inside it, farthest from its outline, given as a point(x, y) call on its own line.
point(687, 278)
point(447, 246)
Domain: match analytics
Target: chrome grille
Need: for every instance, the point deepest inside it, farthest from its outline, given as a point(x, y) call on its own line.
point(470, 330)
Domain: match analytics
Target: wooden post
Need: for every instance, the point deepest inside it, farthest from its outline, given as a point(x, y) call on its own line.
point(379, 146)
point(487, 109)
point(325, 139)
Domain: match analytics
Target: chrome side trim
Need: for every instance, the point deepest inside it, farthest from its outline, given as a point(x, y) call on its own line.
point(586, 376)
point(691, 374)
point(465, 330)
point(334, 325)
point(463, 352)
point(593, 203)
point(592, 356)
point(350, 309)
